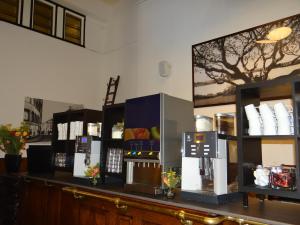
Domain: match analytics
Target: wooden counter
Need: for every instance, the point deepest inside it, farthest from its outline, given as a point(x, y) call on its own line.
point(62, 200)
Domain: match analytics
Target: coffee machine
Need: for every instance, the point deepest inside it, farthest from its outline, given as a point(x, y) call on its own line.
point(87, 153)
point(152, 139)
point(209, 167)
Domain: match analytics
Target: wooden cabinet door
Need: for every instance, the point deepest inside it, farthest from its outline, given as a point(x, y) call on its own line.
point(152, 218)
point(52, 205)
point(95, 212)
point(40, 203)
point(33, 203)
point(69, 209)
point(85, 211)
point(123, 219)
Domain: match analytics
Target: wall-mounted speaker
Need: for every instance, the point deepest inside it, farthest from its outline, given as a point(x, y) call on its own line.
point(164, 68)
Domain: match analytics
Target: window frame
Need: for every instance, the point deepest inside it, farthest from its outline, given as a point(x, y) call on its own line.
point(82, 24)
point(54, 15)
point(19, 13)
point(25, 19)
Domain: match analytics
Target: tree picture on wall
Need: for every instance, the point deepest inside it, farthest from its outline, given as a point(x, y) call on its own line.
point(261, 53)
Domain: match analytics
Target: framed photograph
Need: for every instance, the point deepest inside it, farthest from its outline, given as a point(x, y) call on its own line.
point(261, 53)
point(38, 114)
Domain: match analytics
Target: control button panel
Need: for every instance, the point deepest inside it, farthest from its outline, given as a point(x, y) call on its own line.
point(200, 144)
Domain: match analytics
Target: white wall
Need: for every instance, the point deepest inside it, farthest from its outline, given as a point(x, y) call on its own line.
point(120, 50)
point(40, 66)
point(143, 32)
point(166, 30)
point(36, 65)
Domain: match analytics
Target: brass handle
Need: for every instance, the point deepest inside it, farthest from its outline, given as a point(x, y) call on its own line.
point(184, 217)
point(26, 180)
point(183, 220)
point(120, 206)
point(186, 222)
point(47, 184)
point(77, 196)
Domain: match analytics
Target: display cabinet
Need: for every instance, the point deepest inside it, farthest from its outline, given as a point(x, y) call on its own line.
point(112, 166)
point(66, 144)
point(250, 147)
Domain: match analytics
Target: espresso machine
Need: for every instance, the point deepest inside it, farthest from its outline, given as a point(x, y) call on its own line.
point(87, 153)
point(152, 139)
point(209, 167)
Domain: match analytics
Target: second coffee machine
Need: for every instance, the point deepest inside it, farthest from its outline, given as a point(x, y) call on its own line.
point(209, 167)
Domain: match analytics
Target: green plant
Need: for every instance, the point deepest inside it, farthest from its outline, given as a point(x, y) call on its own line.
point(13, 139)
point(93, 172)
point(170, 178)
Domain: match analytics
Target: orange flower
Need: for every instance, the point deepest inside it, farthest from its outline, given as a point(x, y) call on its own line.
point(93, 171)
point(18, 133)
point(165, 180)
point(25, 134)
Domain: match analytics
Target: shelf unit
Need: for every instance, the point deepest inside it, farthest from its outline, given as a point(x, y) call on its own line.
point(112, 114)
point(68, 146)
point(250, 147)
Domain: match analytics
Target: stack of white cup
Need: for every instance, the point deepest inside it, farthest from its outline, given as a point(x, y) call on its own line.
point(254, 119)
point(268, 121)
point(283, 119)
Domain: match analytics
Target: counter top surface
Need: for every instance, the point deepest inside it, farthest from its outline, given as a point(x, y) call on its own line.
point(268, 212)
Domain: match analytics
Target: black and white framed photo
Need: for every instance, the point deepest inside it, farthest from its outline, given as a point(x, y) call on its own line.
point(38, 114)
point(261, 53)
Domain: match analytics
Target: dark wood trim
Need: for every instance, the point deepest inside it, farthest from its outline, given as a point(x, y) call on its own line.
point(63, 26)
point(84, 23)
point(55, 23)
point(31, 14)
point(21, 13)
point(18, 10)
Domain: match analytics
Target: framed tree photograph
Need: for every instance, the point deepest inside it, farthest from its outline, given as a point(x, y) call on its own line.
point(261, 53)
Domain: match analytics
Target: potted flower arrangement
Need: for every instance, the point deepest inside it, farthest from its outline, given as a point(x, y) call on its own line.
point(93, 172)
point(12, 141)
point(170, 179)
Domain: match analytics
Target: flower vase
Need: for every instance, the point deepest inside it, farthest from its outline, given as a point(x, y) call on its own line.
point(12, 163)
point(94, 181)
point(170, 193)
